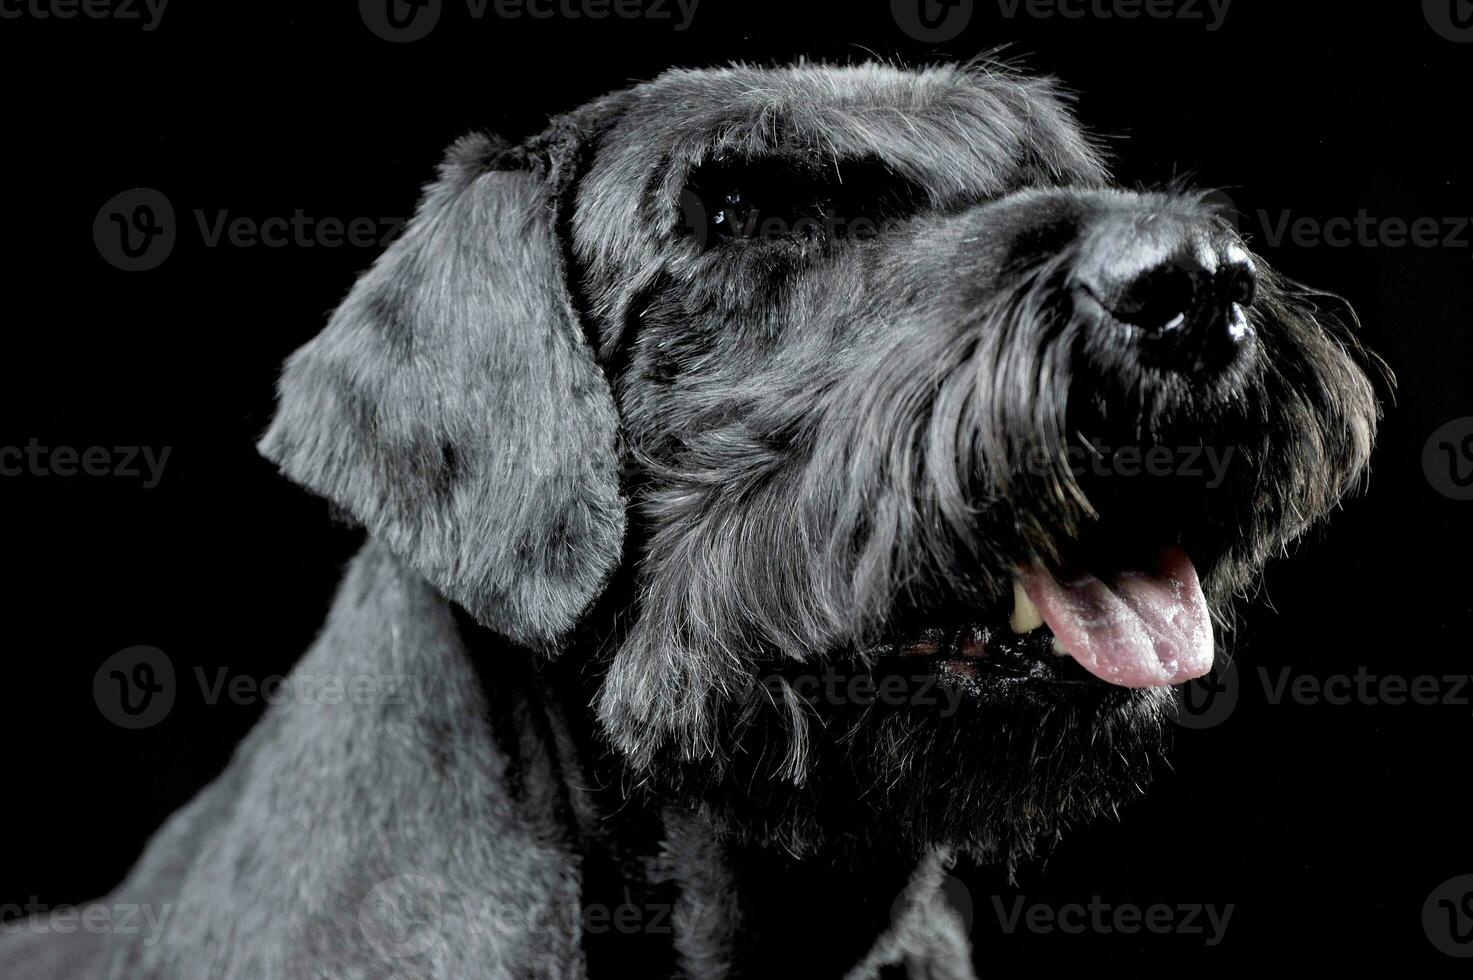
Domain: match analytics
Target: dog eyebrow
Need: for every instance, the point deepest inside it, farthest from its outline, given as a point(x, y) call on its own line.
point(977, 143)
point(809, 165)
point(917, 165)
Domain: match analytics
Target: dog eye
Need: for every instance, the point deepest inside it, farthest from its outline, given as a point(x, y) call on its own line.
point(782, 200)
point(733, 214)
point(756, 201)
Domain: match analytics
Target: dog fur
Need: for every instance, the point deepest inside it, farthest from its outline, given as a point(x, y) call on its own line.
point(622, 484)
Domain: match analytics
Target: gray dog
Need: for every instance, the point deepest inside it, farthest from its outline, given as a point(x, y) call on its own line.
point(778, 484)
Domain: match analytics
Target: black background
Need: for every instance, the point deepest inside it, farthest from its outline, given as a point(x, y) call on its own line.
point(1326, 826)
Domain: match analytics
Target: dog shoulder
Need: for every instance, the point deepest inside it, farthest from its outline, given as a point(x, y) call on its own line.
point(371, 825)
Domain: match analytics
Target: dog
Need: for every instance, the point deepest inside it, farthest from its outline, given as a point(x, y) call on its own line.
point(756, 474)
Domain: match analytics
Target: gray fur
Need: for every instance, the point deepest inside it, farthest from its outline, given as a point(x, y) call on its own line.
point(423, 407)
point(268, 870)
point(622, 483)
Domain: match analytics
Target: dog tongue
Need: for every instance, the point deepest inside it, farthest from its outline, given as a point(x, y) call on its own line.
point(1137, 630)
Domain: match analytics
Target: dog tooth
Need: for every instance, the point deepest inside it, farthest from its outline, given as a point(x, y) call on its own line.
point(1025, 618)
point(1059, 650)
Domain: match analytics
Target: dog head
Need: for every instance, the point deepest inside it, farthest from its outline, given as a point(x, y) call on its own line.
point(927, 457)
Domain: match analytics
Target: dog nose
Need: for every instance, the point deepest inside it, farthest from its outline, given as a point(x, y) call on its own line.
point(1184, 307)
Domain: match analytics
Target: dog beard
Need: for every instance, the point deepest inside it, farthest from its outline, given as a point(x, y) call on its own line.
point(996, 771)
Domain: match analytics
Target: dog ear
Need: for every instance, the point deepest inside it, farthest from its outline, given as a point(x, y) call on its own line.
point(453, 406)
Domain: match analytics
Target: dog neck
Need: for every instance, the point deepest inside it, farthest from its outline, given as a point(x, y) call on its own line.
point(662, 885)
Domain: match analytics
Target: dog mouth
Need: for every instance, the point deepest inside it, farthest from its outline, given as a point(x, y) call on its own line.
point(1134, 627)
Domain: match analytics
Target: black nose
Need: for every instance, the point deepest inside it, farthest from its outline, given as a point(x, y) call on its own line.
point(1179, 298)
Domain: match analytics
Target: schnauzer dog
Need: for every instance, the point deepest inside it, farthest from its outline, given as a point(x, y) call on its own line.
point(777, 484)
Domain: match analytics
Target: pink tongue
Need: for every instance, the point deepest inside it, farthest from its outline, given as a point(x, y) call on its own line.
point(1137, 630)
